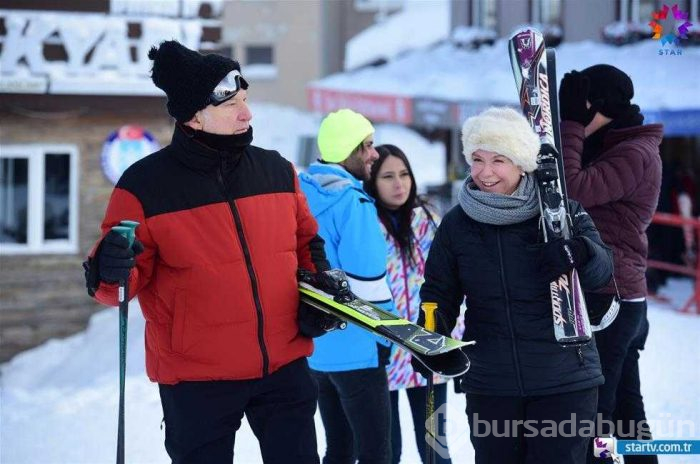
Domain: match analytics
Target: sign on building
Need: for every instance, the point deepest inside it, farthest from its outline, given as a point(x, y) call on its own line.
point(123, 148)
point(79, 53)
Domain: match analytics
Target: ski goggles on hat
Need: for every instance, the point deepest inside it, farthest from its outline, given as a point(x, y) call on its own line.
point(229, 86)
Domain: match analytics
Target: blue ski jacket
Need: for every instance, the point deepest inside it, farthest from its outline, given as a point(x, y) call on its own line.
point(347, 221)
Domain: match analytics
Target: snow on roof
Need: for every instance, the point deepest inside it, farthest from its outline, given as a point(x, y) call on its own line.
point(419, 23)
point(446, 72)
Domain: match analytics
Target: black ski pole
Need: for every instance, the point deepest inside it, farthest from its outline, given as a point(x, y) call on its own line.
point(128, 230)
point(429, 309)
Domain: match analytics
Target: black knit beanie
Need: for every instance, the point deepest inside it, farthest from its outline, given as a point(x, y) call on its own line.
point(187, 77)
point(611, 90)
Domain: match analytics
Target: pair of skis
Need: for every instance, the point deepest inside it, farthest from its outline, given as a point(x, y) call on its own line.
point(534, 69)
point(439, 353)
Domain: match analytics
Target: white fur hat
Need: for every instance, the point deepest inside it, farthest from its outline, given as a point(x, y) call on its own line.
point(504, 131)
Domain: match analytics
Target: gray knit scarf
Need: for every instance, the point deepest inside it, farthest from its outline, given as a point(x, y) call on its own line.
point(499, 209)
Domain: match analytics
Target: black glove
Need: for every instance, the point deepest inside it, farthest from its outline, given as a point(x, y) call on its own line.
point(314, 322)
point(333, 282)
point(420, 368)
point(115, 257)
point(561, 256)
point(573, 94)
point(383, 354)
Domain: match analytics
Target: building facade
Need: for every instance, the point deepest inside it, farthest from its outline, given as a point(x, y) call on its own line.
point(77, 106)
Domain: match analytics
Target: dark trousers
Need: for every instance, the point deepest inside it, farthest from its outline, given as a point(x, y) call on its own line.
point(201, 418)
point(417, 401)
point(620, 398)
point(504, 440)
point(354, 409)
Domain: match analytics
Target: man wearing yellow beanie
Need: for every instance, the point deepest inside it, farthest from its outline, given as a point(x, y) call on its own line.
point(349, 364)
point(340, 138)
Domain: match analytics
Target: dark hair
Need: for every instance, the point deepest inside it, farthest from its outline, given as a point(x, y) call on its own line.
point(400, 227)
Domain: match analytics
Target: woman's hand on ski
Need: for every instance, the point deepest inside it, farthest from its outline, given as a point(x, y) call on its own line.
point(560, 256)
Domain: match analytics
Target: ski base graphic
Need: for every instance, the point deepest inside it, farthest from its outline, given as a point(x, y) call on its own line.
point(442, 355)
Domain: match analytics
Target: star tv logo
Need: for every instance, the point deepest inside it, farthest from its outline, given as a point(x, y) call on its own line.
point(603, 447)
point(670, 29)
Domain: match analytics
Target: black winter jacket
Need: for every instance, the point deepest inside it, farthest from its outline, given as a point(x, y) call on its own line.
point(509, 311)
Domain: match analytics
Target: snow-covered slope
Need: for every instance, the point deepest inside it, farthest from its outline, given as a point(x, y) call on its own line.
point(59, 401)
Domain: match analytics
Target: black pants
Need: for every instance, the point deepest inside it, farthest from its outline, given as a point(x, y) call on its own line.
point(417, 401)
point(354, 408)
point(201, 418)
point(503, 440)
point(620, 398)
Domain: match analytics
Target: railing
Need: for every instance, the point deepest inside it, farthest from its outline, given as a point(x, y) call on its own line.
point(675, 220)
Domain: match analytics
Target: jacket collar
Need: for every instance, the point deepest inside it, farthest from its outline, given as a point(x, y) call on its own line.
point(615, 136)
point(195, 154)
point(327, 173)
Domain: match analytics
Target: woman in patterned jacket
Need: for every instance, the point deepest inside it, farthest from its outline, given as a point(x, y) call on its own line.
point(408, 228)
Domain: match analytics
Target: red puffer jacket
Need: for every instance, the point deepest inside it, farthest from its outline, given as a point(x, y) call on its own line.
point(620, 190)
point(223, 235)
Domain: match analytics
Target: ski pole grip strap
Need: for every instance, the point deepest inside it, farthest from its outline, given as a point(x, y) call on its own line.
point(429, 310)
point(127, 229)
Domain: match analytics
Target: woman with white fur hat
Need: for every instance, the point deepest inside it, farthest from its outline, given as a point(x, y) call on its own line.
point(489, 248)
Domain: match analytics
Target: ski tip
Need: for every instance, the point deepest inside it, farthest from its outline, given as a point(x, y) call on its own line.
point(452, 364)
point(522, 30)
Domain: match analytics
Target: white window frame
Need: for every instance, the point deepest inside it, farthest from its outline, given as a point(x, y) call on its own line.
point(629, 11)
point(36, 243)
point(261, 71)
point(479, 13)
point(540, 9)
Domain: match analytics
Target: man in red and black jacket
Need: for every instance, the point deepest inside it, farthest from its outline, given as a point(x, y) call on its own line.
point(223, 230)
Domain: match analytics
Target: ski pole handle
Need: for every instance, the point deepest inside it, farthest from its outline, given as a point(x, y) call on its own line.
point(429, 310)
point(126, 229)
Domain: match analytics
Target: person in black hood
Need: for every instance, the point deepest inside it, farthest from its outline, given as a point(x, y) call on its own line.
point(489, 248)
point(613, 168)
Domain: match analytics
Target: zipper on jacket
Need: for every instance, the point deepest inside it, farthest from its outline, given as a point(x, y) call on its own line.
point(251, 273)
point(510, 321)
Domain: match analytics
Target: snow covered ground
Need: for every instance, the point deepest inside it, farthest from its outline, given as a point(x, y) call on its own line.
point(59, 400)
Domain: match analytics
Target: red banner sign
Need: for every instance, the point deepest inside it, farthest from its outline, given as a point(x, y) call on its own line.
point(379, 108)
